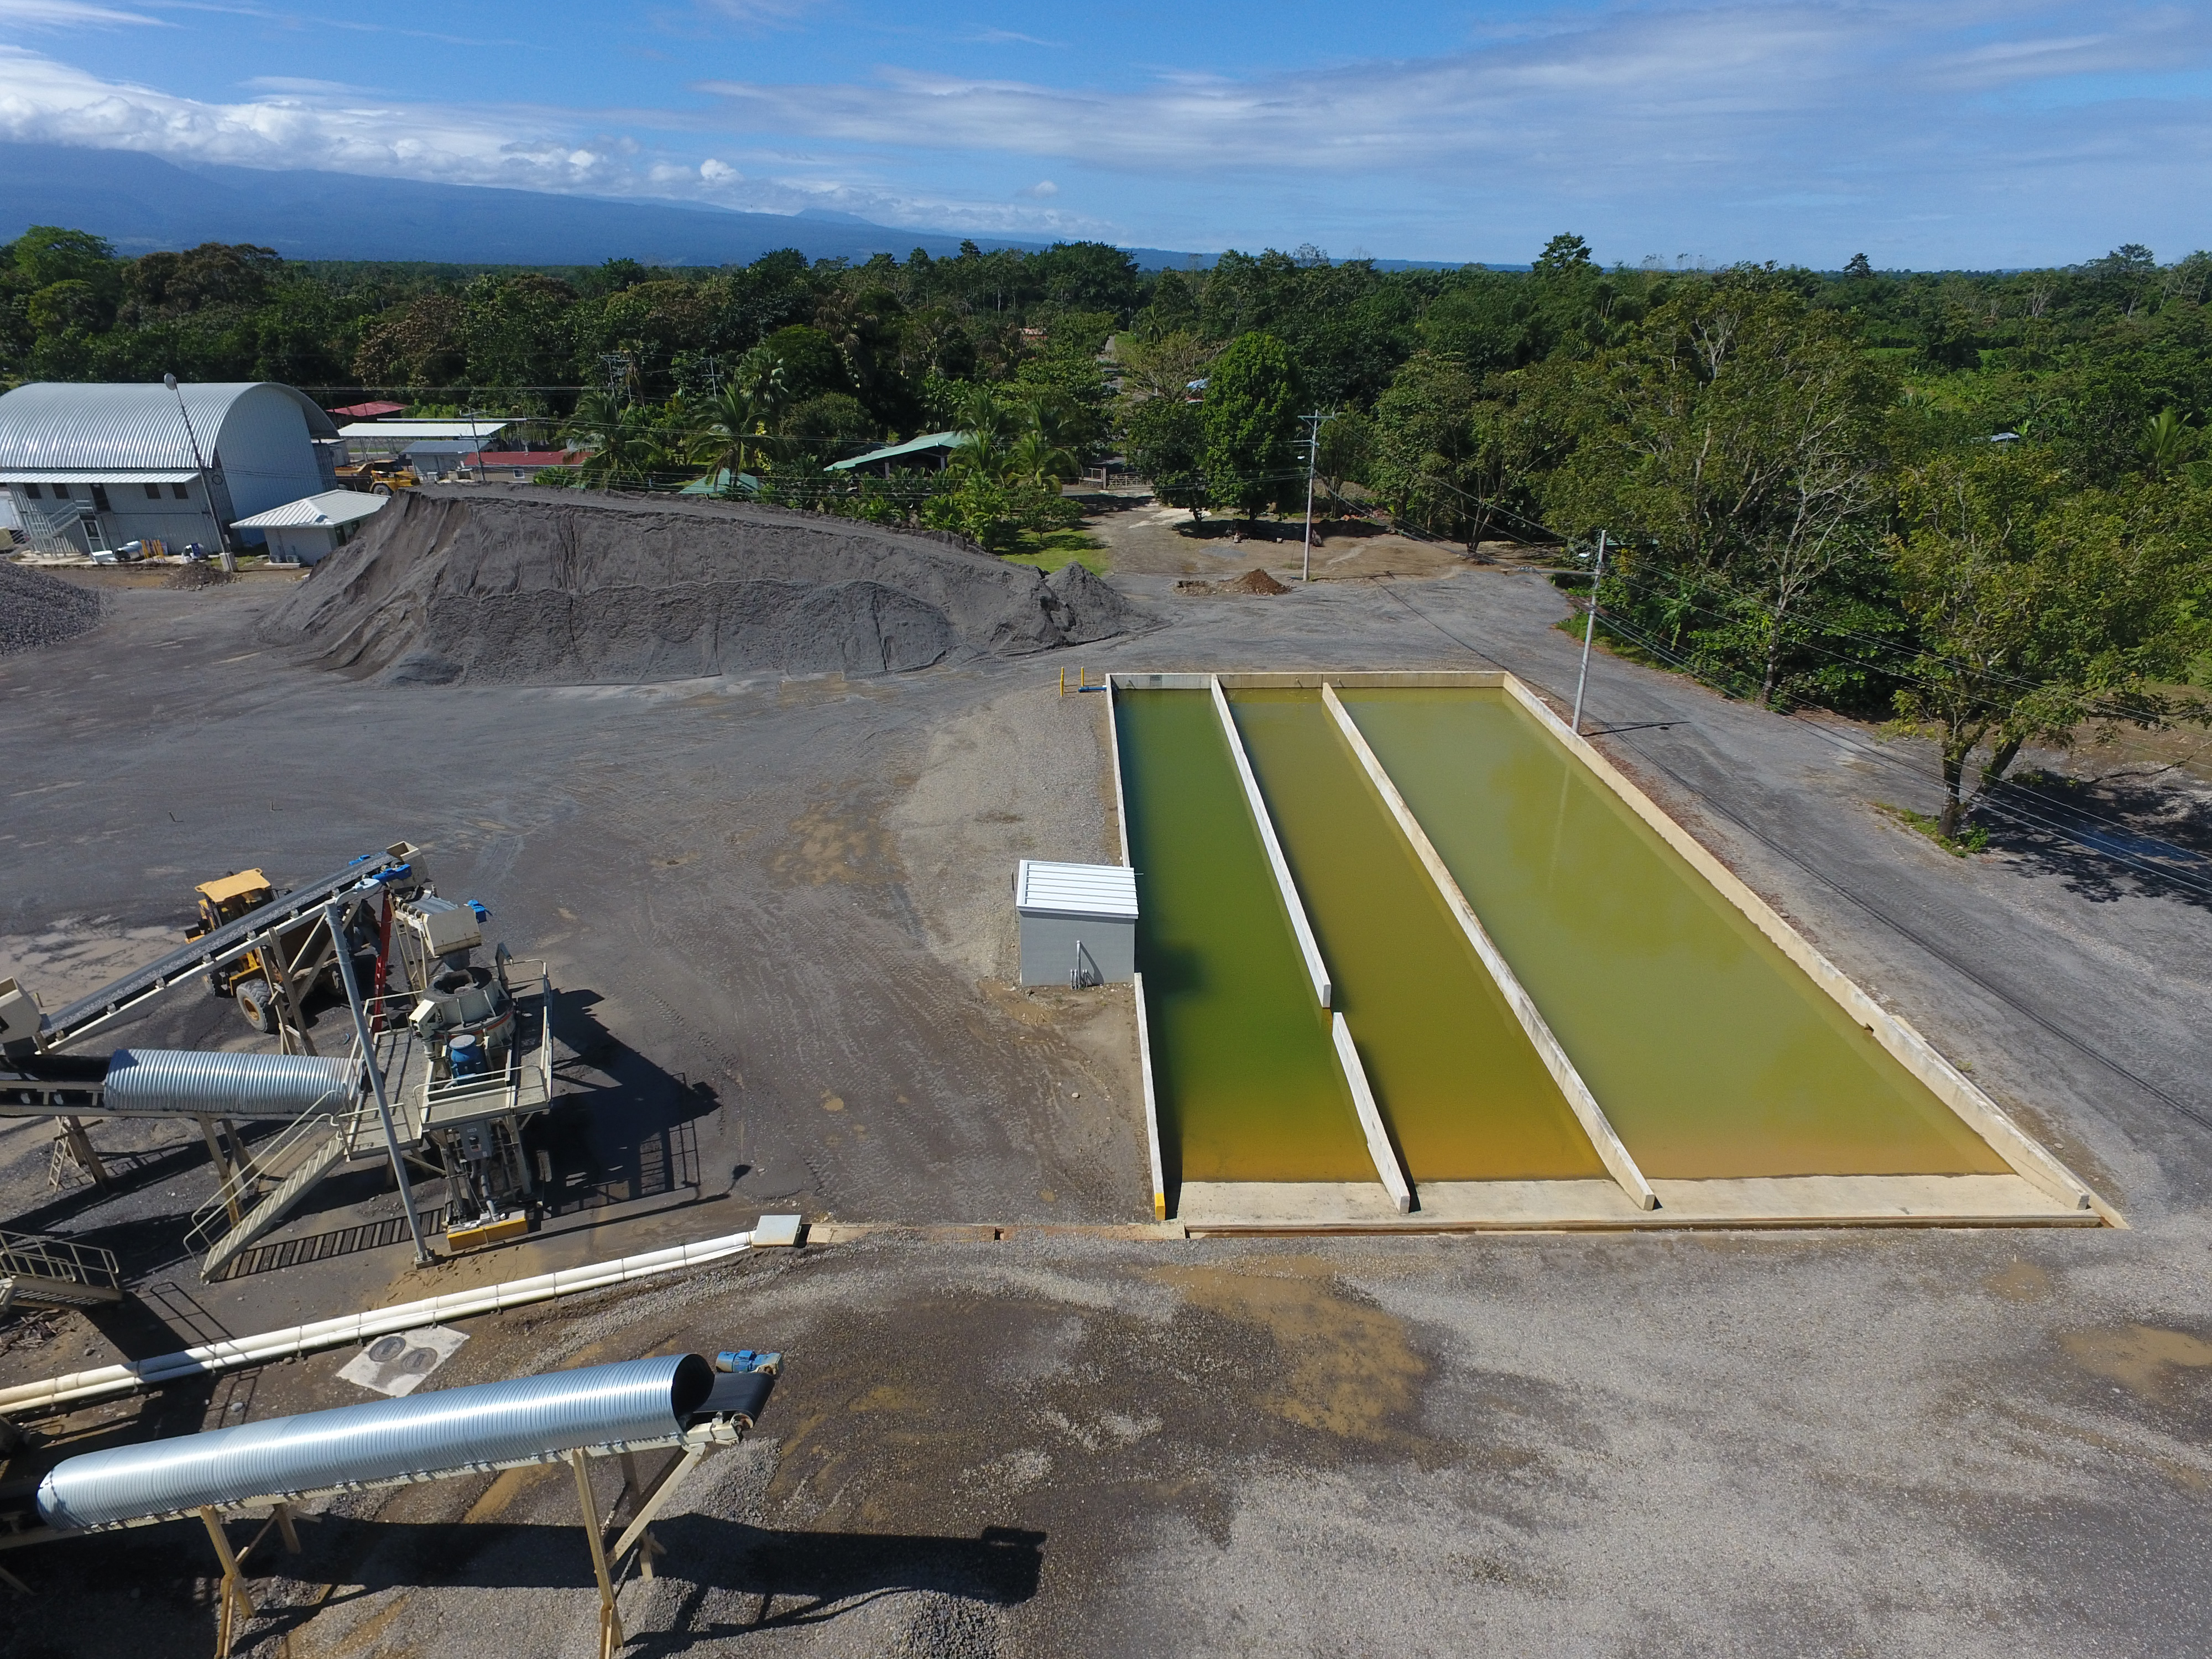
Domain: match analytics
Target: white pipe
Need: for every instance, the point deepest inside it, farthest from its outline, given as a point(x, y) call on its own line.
point(214, 1358)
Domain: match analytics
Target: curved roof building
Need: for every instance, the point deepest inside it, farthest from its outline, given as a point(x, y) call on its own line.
point(95, 466)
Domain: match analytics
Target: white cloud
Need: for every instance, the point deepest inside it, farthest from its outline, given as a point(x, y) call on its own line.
point(65, 14)
point(306, 124)
point(1042, 188)
point(1629, 90)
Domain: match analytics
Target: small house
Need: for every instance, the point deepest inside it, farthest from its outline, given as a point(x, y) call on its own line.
point(313, 527)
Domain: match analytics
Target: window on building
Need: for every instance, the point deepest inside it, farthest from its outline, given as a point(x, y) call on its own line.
point(100, 498)
point(30, 492)
point(153, 492)
point(182, 492)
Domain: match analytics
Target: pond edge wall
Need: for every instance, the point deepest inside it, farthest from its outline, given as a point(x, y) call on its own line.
point(1136, 979)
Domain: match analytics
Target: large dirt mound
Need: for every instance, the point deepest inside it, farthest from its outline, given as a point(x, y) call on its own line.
point(37, 609)
point(551, 586)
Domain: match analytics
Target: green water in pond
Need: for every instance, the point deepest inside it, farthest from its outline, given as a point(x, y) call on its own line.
point(1713, 1055)
point(1456, 1079)
point(1244, 1073)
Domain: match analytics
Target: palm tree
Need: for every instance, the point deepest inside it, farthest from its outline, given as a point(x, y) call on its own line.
point(1037, 459)
point(988, 422)
point(732, 431)
point(2164, 442)
point(626, 446)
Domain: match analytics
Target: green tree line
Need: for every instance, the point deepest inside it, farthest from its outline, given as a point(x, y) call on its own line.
point(1978, 503)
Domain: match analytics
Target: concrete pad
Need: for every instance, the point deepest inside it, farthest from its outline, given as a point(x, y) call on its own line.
point(1321, 1206)
point(1980, 1200)
point(1973, 1199)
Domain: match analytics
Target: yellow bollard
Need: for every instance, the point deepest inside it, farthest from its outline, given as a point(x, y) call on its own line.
point(1063, 682)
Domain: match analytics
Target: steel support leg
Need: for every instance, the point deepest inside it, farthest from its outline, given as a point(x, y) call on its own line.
point(611, 1630)
point(237, 1607)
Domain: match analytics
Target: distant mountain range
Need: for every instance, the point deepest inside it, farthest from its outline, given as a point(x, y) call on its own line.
point(141, 203)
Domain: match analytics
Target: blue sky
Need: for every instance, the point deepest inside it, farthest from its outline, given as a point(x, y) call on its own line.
point(1942, 133)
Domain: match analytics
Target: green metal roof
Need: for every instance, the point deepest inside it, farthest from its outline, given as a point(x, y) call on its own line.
point(720, 485)
point(923, 445)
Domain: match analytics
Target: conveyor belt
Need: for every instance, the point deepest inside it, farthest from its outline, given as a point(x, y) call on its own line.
point(210, 951)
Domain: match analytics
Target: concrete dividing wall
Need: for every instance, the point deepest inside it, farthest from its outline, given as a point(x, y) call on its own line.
point(1291, 903)
point(1610, 1152)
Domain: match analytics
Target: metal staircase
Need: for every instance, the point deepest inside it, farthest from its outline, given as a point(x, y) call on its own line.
point(56, 1272)
point(253, 1199)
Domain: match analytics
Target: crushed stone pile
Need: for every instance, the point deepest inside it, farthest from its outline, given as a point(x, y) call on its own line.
point(200, 573)
point(1254, 581)
point(521, 584)
point(37, 608)
point(1096, 611)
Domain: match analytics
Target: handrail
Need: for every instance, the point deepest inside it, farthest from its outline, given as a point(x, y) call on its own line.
point(58, 1261)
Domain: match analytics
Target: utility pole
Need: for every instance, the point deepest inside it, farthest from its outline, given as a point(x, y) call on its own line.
point(1589, 633)
point(1313, 456)
point(207, 491)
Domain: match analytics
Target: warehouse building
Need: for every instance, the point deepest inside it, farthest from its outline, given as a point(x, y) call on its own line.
point(91, 468)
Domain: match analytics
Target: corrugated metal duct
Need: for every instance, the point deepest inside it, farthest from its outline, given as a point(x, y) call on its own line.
point(228, 1085)
point(533, 1417)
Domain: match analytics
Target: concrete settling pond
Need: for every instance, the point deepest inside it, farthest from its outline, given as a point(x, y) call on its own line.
point(1404, 936)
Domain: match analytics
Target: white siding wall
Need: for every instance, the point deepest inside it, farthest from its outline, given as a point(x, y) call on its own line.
point(268, 459)
point(131, 514)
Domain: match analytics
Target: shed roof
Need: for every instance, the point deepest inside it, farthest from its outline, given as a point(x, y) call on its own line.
point(332, 507)
point(370, 411)
point(404, 432)
point(926, 444)
point(111, 430)
point(1106, 891)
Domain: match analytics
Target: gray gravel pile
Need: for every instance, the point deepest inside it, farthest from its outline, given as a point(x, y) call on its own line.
point(523, 585)
point(1098, 611)
point(200, 573)
point(39, 609)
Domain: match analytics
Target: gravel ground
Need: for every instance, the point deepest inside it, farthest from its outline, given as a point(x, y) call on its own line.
point(38, 608)
point(790, 894)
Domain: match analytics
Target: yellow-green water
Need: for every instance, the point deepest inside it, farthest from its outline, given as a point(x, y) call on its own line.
point(1712, 1053)
point(1457, 1081)
point(1245, 1076)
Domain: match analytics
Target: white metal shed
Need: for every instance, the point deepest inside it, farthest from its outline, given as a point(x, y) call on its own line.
point(1078, 922)
point(305, 531)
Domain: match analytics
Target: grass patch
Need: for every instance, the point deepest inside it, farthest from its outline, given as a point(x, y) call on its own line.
point(1054, 548)
point(1612, 644)
point(1976, 839)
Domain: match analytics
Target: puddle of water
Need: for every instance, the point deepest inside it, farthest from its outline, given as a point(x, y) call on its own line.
point(1245, 1077)
point(1455, 1076)
point(1713, 1056)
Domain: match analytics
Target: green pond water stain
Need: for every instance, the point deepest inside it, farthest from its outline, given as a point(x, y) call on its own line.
point(1455, 1076)
point(1713, 1055)
point(1245, 1076)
